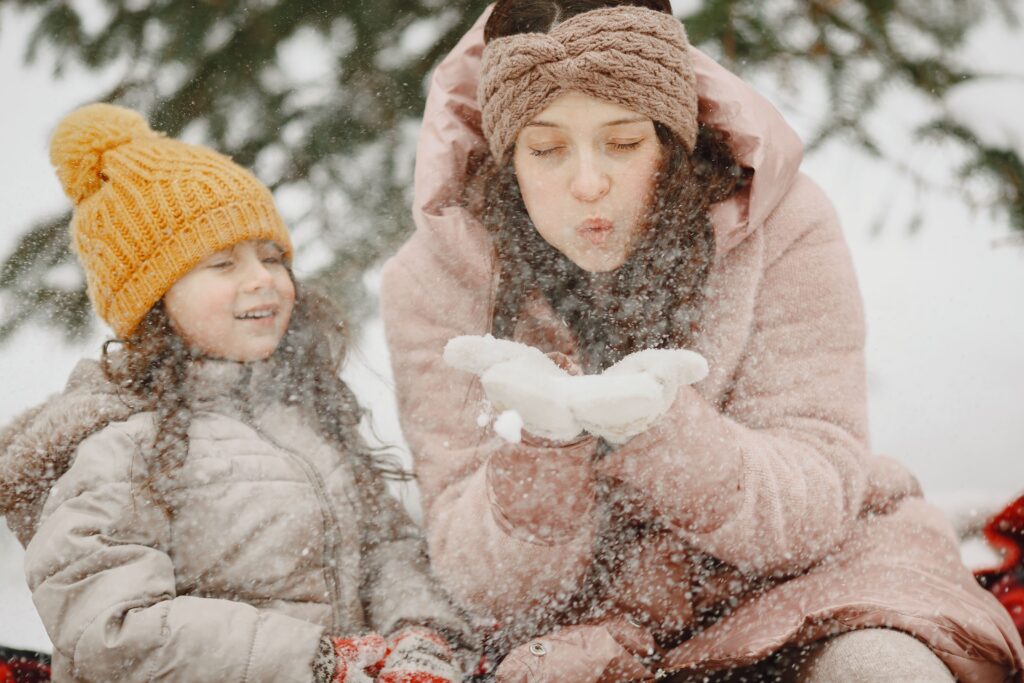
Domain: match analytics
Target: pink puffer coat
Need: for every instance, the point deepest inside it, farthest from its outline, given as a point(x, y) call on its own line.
point(751, 517)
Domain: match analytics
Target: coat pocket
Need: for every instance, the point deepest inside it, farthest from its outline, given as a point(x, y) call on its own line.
point(609, 652)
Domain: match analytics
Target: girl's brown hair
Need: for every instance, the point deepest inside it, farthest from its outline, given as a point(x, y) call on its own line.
point(153, 364)
point(654, 300)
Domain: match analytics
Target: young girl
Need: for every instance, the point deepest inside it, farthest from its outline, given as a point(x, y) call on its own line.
point(221, 518)
point(635, 197)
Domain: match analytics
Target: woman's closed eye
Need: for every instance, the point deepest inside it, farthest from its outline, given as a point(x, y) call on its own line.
point(624, 145)
point(545, 151)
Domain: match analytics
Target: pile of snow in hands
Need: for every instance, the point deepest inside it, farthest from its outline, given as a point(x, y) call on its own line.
point(532, 391)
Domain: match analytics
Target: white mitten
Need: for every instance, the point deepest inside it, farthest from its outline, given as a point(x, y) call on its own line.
point(615, 407)
point(635, 392)
point(477, 354)
point(538, 390)
point(623, 401)
point(520, 378)
point(670, 367)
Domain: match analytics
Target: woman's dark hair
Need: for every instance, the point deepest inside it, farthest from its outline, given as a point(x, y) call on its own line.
point(654, 300)
point(511, 17)
point(153, 364)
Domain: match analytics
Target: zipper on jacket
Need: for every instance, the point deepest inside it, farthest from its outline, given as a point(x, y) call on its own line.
point(330, 539)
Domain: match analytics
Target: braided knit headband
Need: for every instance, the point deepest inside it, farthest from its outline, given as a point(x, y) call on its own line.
point(632, 56)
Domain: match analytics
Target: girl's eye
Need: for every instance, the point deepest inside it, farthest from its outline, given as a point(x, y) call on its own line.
point(219, 264)
point(273, 260)
point(544, 152)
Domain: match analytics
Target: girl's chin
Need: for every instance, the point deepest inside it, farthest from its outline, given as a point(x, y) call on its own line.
point(250, 353)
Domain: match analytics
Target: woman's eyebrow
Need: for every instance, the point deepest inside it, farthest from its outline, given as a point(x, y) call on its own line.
point(619, 122)
point(607, 124)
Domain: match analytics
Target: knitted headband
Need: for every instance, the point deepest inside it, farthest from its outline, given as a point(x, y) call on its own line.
point(148, 208)
point(632, 56)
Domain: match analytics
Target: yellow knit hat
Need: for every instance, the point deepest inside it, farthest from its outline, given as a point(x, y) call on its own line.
point(148, 208)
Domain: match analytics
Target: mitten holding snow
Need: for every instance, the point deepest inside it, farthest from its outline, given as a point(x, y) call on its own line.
point(616, 408)
point(419, 655)
point(538, 390)
point(351, 659)
point(479, 353)
point(520, 378)
point(630, 396)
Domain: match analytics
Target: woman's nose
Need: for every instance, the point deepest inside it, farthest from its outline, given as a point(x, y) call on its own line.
point(590, 182)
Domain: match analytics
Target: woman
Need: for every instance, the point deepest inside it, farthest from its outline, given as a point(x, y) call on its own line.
point(615, 190)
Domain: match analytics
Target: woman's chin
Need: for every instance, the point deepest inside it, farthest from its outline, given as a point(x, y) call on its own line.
point(597, 262)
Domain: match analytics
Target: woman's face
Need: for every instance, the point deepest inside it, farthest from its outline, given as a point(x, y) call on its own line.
point(587, 171)
point(236, 303)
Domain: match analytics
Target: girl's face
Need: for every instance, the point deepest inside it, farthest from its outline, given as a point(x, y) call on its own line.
point(587, 171)
point(236, 303)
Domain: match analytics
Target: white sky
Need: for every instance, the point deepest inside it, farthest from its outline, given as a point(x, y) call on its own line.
point(946, 326)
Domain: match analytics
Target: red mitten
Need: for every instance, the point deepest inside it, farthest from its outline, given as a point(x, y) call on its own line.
point(419, 655)
point(358, 659)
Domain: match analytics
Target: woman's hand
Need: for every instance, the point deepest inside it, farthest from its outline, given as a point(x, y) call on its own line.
point(520, 378)
point(630, 396)
point(555, 402)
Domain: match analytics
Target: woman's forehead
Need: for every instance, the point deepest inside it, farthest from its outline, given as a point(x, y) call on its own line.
point(576, 110)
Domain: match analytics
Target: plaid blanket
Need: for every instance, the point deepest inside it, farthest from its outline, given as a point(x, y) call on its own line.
point(1005, 533)
point(21, 666)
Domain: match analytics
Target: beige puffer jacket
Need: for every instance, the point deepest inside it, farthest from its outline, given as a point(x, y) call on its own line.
point(271, 544)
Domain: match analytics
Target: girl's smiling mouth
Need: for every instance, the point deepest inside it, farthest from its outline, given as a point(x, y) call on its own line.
point(261, 313)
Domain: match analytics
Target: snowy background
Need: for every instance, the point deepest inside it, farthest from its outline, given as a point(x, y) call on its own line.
point(946, 326)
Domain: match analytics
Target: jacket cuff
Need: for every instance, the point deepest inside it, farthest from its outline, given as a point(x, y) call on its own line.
point(540, 493)
point(325, 662)
point(282, 649)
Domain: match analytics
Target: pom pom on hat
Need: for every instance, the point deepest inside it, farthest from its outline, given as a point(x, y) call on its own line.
point(83, 137)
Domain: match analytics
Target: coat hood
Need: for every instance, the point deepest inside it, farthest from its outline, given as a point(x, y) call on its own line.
point(36, 448)
point(451, 135)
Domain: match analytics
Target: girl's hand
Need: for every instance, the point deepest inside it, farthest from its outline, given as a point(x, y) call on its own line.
point(418, 654)
point(358, 659)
